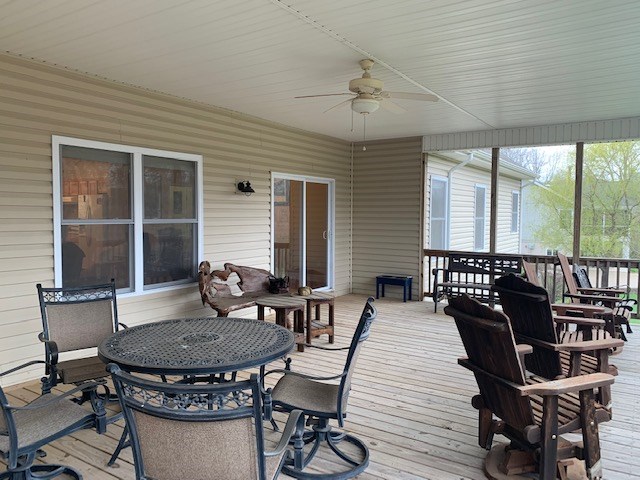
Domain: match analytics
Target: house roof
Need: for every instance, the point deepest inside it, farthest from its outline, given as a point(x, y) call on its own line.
point(481, 159)
point(504, 64)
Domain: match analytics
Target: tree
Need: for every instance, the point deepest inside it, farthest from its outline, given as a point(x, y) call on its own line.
point(610, 222)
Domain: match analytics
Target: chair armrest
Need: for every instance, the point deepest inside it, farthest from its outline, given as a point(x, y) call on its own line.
point(330, 349)
point(295, 423)
point(52, 346)
point(84, 387)
point(524, 349)
point(588, 345)
point(595, 291)
point(436, 270)
point(20, 367)
point(568, 385)
point(594, 322)
point(584, 309)
point(302, 375)
point(593, 298)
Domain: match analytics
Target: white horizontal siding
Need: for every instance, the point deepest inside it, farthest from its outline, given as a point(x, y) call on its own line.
point(37, 101)
point(596, 131)
point(387, 218)
point(462, 185)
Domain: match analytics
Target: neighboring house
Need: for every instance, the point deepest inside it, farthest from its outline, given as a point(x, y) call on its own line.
point(458, 201)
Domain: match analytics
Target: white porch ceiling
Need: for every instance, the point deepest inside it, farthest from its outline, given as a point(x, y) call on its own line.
point(494, 64)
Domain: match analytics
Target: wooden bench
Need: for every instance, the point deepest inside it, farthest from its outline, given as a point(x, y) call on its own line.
point(472, 273)
point(223, 297)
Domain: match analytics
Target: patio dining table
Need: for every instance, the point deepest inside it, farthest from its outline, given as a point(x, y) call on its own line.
point(195, 346)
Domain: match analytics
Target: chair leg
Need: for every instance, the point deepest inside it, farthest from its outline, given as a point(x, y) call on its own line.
point(25, 470)
point(549, 448)
point(322, 433)
point(590, 438)
point(122, 444)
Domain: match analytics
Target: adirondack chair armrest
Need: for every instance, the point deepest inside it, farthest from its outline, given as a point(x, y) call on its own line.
point(568, 385)
point(598, 291)
point(584, 309)
point(534, 342)
point(594, 322)
point(589, 345)
point(593, 298)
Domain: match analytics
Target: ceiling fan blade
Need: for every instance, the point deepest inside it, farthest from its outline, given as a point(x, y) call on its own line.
point(338, 105)
point(324, 95)
point(392, 107)
point(425, 97)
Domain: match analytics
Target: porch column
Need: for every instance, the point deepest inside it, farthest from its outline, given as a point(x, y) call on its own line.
point(577, 205)
point(493, 222)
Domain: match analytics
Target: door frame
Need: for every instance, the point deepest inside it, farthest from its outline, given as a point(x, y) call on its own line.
point(330, 182)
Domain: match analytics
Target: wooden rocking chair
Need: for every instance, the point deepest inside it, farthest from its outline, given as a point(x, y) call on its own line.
point(531, 412)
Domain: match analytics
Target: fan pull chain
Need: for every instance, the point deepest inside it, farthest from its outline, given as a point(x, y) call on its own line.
point(364, 133)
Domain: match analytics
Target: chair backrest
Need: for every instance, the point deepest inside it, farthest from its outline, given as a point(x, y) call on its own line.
point(493, 357)
point(202, 431)
point(529, 309)
point(530, 273)
point(567, 273)
point(78, 317)
point(369, 314)
point(7, 424)
point(581, 277)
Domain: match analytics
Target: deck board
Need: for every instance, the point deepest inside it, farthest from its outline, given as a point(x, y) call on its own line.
point(410, 402)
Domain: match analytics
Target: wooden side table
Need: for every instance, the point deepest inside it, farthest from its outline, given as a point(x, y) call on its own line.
point(314, 327)
point(283, 306)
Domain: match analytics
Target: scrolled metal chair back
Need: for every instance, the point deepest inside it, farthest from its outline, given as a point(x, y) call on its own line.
point(199, 431)
point(79, 317)
point(361, 334)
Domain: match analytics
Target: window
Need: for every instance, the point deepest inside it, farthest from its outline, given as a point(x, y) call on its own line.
point(128, 213)
point(479, 217)
point(439, 213)
point(515, 211)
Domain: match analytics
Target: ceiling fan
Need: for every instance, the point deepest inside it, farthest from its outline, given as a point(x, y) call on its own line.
point(368, 94)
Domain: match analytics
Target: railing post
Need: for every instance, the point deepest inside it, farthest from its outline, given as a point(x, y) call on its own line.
point(577, 207)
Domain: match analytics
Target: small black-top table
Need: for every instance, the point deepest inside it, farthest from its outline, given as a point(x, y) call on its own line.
point(194, 346)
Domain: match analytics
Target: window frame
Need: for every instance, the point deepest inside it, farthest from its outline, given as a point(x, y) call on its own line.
point(517, 211)
point(477, 187)
point(137, 198)
point(444, 180)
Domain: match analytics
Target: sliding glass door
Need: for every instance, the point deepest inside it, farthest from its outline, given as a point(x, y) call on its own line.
point(302, 213)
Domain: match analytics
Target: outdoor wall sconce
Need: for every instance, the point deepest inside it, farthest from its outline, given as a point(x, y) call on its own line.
point(245, 187)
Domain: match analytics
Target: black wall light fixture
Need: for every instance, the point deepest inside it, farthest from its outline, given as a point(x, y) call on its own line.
point(245, 187)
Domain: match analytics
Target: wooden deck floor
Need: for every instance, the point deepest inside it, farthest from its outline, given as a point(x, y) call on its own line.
point(410, 402)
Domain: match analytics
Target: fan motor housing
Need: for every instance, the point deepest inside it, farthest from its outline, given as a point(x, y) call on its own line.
point(366, 85)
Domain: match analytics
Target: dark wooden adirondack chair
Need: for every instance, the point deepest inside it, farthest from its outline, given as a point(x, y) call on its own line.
point(624, 307)
point(593, 297)
point(531, 412)
point(529, 309)
point(574, 309)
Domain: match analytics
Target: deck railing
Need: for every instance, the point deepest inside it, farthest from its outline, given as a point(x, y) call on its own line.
point(603, 272)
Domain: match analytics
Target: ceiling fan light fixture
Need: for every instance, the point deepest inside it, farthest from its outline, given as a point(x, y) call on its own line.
point(364, 106)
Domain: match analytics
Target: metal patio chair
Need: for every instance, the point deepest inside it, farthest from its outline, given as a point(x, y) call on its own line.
point(321, 402)
point(203, 431)
point(74, 319)
point(532, 412)
point(24, 430)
